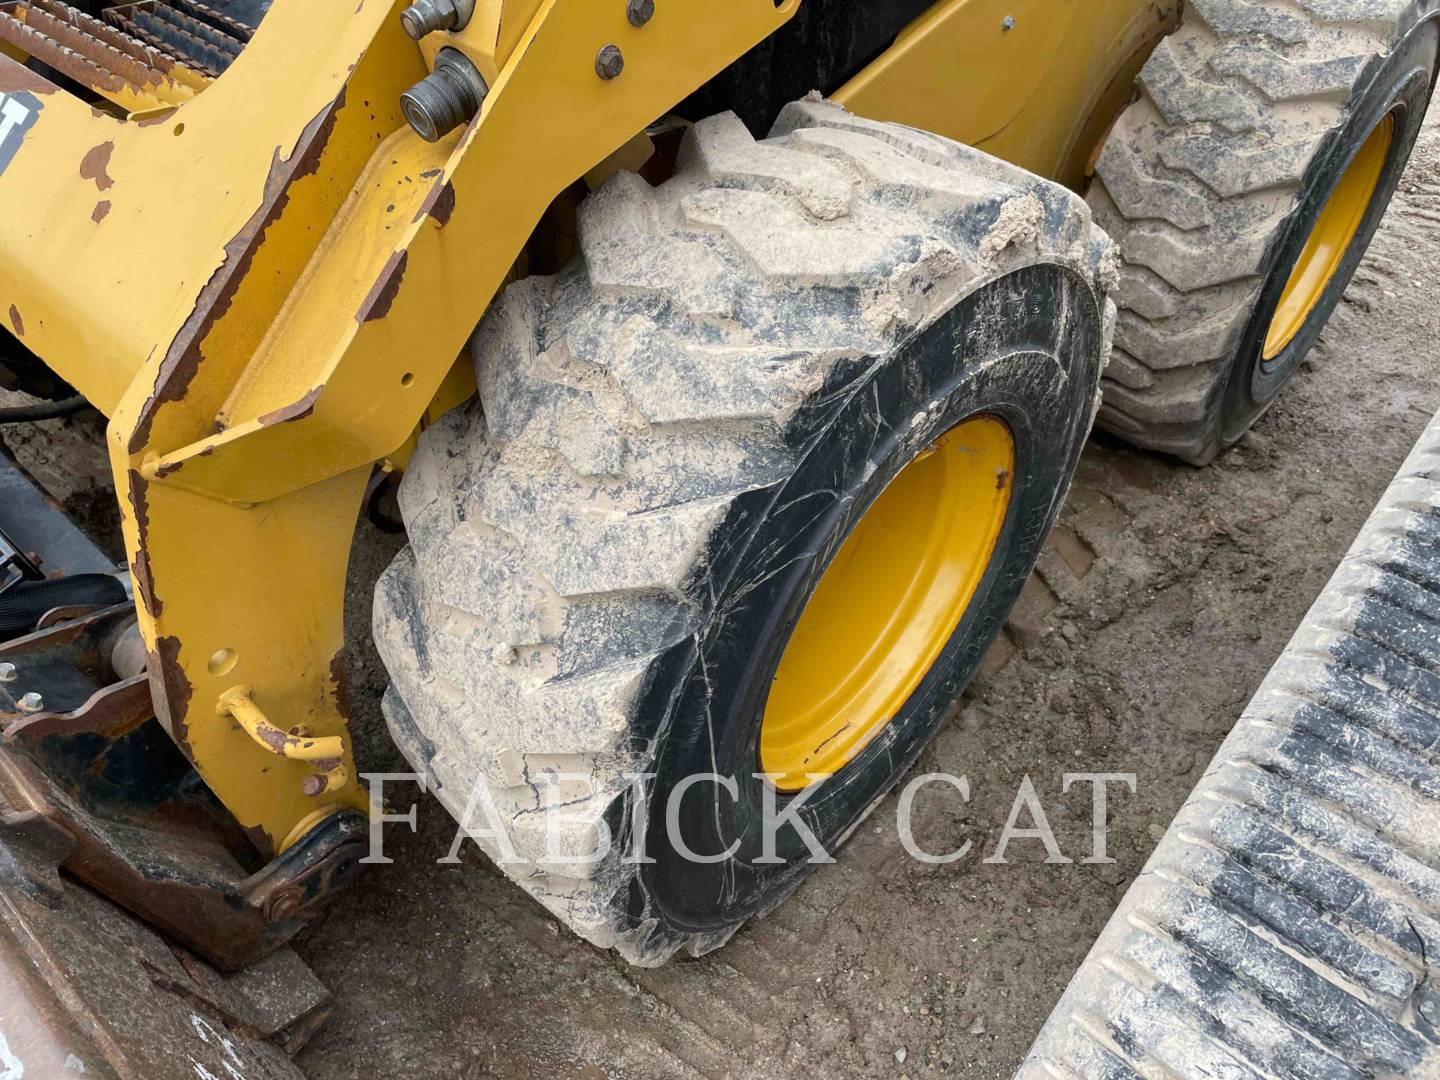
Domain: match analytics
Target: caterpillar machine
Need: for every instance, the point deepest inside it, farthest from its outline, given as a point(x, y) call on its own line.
point(735, 356)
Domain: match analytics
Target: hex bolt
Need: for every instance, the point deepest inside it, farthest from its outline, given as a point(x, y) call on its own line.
point(1007, 23)
point(610, 62)
point(7, 672)
point(426, 16)
point(449, 96)
point(31, 702)
point(640, 12)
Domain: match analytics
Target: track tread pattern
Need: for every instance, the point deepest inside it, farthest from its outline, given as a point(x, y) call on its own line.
point(1288, 923)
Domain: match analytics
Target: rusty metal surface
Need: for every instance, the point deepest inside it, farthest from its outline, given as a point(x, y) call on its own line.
point(119, 66)
point(85, 989)
point(323, 194)
point(194, 34)
point(131, 817)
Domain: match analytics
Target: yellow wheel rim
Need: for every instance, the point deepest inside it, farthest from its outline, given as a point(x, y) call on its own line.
point(888, 603)
point(1329, 239)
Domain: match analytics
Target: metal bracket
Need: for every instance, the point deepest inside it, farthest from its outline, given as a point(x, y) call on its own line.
point(98, 784)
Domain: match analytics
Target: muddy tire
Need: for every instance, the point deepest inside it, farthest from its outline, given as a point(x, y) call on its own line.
point(672, 438)
point(1211, 184)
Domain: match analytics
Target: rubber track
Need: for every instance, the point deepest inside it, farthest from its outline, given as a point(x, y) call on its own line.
point(1288, 923)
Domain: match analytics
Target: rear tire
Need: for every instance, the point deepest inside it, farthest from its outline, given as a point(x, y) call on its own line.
point(672, 439)
point(1210, 184)
point(22, 370)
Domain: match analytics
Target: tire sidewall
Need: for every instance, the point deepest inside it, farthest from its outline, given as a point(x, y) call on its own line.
point(1402, 85)
point(1028, 345)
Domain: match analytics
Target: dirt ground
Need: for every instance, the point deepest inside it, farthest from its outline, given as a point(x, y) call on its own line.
point(1159, 604)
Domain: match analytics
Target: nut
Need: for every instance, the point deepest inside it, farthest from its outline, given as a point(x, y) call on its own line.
point(284, 904)
point(610, 62)
point(7, 672)
point(640, 12)
point(31, 702)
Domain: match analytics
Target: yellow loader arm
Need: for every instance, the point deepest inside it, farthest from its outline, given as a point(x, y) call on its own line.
point(263, 286)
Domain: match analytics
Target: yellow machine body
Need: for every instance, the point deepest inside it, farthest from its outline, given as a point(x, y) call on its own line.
point(265, 281)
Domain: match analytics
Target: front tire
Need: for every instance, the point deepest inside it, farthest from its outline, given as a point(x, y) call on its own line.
point(673, 439)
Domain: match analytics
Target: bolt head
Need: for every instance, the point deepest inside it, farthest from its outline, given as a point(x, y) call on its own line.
point(610, 62)
point(32, 702)
point(1007, 23)
point(284, 905)
point(8, 673)
point(640, 12)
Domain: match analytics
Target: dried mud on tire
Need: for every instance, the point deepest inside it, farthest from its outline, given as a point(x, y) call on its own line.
point(1160, 603)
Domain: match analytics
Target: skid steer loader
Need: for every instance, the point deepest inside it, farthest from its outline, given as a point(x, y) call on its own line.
point(735, 357)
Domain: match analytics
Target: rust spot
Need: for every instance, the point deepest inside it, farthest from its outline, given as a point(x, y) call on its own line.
point(157, 118)
point(183, 357)
point(175, 689)
point(94, 164)
point(1002, 477)
point(165, 470)
point(296, 410)
point(16, 321)
point(376, 304)
point(439, 204)
point(16, 76)
point(275, 739)
point(308, 161)
point(339, 684)
point(140, 506)
point(102, 209)
point(430, 174)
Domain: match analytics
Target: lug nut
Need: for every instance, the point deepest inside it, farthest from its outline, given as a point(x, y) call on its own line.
point(426, 16)
point(449, 96)
point(7, 672)
point(640, 12)
point(610, 62)
point(31, 702)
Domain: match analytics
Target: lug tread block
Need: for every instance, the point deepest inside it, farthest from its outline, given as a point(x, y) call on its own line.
point(563, 528)
point(618, 227)
point(1127, 371)
point(1184, 92)
point(722, 148)
point(1239, 102)
point(1138, 195)
point(1233, 18)
point(1234, 165)
point(1184, 259)
point(1292, 904)
point(1281, 79)
point(1194, 342)
point(1176, 400)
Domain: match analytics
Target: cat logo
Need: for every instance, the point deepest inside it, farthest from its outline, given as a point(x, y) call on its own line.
point(18, 111)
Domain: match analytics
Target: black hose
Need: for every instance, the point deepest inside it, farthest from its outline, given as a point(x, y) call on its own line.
point(43, 410)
